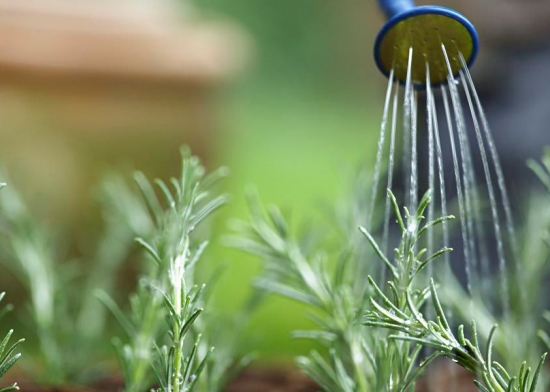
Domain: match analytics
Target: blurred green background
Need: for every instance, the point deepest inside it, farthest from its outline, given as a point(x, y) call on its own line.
point(93, 89)
point(308, 108)
point(92, 85)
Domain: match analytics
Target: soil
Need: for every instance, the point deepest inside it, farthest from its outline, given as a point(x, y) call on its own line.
point(29, 387)
point(443, 376)
point(250, 380)
point(272, 380)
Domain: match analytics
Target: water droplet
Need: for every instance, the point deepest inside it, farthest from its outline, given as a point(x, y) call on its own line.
point(192, 377)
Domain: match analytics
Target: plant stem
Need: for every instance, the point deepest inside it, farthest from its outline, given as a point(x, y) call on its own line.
point(362, 383)
point(177, 294)
point(177, 367)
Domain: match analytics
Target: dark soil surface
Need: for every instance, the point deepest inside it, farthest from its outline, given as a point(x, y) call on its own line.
point(28, 387)
point(272, 380)
point(443, 377)
point(251, 380)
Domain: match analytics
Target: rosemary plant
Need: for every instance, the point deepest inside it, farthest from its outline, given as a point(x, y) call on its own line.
point(68, 324)
point(410, 261)
point(33, 257)
point(526, 285)
point(358, 360)
point(125, 216)
point(439, 336)
point(387, 355)
point(400, 311)
point(175, 350)
point(295, 269)
point(8, 353)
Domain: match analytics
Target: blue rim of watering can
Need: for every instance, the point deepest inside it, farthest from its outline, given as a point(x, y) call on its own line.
point(420, 11)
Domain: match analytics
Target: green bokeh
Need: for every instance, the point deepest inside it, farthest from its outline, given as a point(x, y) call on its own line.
point(307, 108)
point(294, 151)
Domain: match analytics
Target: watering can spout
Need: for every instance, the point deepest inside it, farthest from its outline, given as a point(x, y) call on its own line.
point(394, 7)
point(419, 35)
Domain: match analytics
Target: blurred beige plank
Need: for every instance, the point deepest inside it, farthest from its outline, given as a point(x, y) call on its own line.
point(110, 40)
point(85, 84)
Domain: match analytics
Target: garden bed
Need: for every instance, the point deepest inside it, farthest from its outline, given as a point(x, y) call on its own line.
point(251, 380)
point(442, 377)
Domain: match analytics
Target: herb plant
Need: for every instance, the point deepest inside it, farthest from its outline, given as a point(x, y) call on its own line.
point(401, 312)
point(386, 355)
point(358, 359)
point(523, 321)
point(8, 353)
point(380, 324)
point(68, 326)
point(295, 269)
point(163, 331)
point(125, 216)
point(33, 257)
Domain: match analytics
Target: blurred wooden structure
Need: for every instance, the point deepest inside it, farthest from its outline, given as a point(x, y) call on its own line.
point(85, 84)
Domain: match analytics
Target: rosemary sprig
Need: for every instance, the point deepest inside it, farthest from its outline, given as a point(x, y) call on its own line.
point(401, 313)
point(294, 268)
point(69, 345)
point(33, 255)
point(526, 284)
point(358, 360)
point(183, 362)
point(394, 309)
point(8, 353)
point(438, 335)
point(125, 216)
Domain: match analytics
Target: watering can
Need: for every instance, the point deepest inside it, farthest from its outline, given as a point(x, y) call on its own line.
point(419, 35)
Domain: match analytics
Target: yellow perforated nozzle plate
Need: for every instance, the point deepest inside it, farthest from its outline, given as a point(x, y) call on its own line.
point(425, 34)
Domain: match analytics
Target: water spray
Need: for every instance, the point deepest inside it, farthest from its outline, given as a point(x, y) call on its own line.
point(426, 52)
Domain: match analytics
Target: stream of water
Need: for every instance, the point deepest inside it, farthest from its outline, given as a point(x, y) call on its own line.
point(442, 152)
